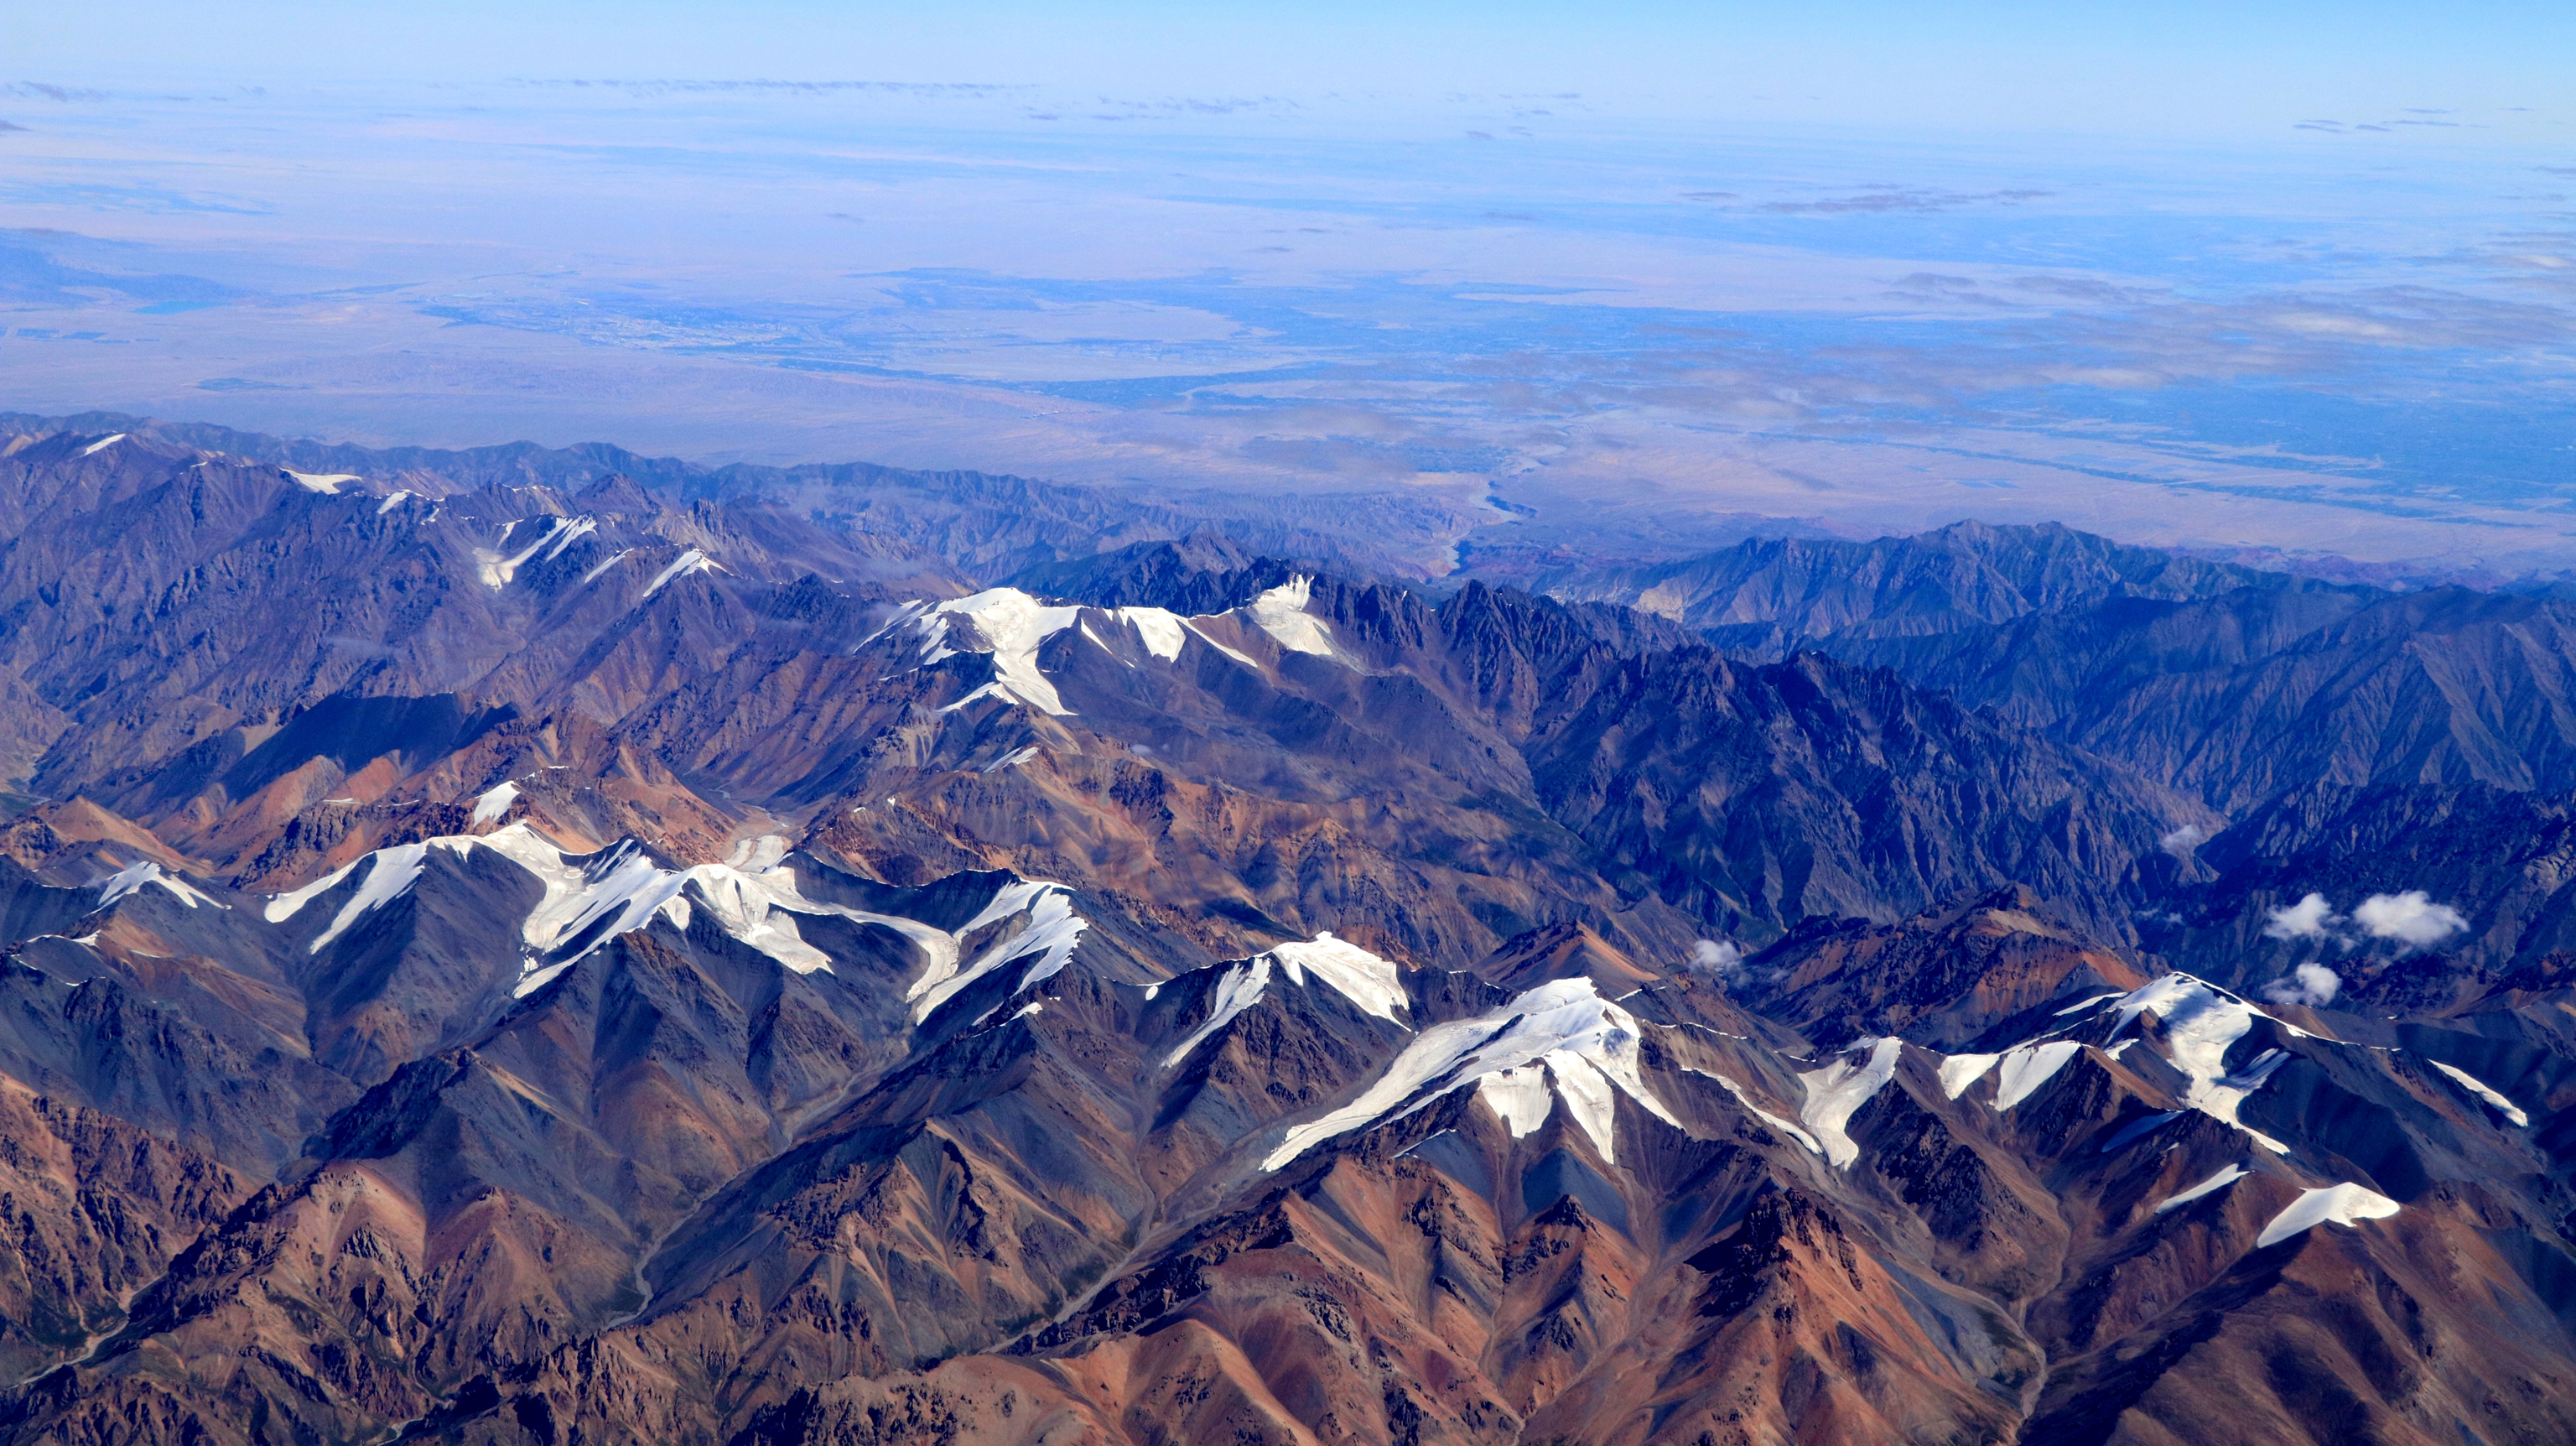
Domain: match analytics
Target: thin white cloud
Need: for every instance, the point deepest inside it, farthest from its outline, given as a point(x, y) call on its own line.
point(1720, 957)
point(2311, 984)
point(2410, 918)
point(2309, 918)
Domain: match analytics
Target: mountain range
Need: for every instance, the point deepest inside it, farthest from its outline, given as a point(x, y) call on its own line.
point(557, 946)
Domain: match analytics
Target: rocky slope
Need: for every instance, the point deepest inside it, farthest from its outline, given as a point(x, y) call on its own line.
point(546, 947)
point(2232, 685)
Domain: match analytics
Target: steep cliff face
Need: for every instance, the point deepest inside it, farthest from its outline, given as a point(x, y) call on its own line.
point(515, 954)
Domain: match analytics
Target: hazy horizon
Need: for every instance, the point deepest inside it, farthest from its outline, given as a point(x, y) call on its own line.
point(2330, 313)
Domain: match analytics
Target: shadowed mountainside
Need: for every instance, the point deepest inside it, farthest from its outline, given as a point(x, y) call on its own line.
point(529, 947)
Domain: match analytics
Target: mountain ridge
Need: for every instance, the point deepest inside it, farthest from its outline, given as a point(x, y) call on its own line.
point(638, 956)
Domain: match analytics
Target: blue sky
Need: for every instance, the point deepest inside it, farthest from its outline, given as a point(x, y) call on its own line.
point(2191, 68)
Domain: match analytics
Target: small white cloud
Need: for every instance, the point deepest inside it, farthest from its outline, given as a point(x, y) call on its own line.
point(2313, 984)
point(2410, 918)
point(1719, 957)
point(2309, 918)
point(2183, 840)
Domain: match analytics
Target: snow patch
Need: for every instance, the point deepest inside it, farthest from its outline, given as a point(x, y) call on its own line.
point(1587, 1093)
point(1236, 991)
point(1962, 1070)
point(1588, 1043)
point(1518, 1097)
point(1839, 1089)
point(2027, 1068)
point(687, 564)
point(392, 501)
point(326, 483)
point(2345, 1204)
point(498, 570)
point(390, 872)
point(1162, 632)
point(2141, 1126)
point(1361, 977)
point(1204, 636)
point(2200, 1023)
point(1353, 972)
point(283, 907)
point(615, 892)
point(2213, 1184)
point(1010, 625)
point(1281, 612)
point(1052, 931)
point(148, 872)
point(102, 444)
point(531, 982)
point(601, 570)
point(494, 802)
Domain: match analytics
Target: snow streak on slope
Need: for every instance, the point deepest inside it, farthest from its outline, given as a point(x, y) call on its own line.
point(148, 872)
point(498, 570)
point(1744, 1098)
point(388, 873)
point(1840, 1088)
point(2219, 1181)
point(587, 903)
point(1053, 930)
point(2339, 1204)
point(2480, 1088)
point(687, 564)
point(1353, 972)
point(1238, 990)
point(1588, 1044)
point(2200, 1023)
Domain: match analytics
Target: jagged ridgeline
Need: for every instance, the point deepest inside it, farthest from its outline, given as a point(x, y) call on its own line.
point(529, 946)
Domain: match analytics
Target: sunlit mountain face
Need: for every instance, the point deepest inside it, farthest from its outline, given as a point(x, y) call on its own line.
point(1111, 725)
point(516, 944)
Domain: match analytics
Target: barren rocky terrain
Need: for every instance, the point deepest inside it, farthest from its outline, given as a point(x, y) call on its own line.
point(540, 947)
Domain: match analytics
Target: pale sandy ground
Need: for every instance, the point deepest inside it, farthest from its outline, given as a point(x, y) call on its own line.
point(377, 372)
